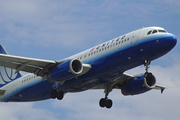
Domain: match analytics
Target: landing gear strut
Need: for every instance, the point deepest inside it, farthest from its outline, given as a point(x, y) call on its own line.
point(57, 94)
point(105, 102)
point(146, 65)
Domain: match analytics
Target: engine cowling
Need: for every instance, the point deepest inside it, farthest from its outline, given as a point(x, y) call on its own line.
point(68, 70)
point(139, 85)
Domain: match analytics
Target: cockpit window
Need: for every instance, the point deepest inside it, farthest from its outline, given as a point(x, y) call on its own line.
point(163, 31)
point(149, 32)
point(154, 31)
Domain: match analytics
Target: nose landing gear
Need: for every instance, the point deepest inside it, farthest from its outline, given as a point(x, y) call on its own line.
point(146, 65)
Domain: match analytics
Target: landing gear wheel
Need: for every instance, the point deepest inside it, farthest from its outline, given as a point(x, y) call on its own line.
point(109, 103)
point(54, 94)
point(60, 95)
point(102, 102)
point(105, 103)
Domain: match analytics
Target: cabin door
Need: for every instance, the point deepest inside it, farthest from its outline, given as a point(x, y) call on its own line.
point(134, 38)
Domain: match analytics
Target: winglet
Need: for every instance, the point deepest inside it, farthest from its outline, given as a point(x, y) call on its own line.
point(162, 90)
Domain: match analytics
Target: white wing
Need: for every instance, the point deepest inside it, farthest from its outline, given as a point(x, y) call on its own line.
point(37, 66)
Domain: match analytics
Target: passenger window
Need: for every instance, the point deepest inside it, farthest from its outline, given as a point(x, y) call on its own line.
point(149, 32)
point(103, 45)
point(154, 31)
point(117, 40)
point(128, 39)
point(98, 47)
point(123, 37)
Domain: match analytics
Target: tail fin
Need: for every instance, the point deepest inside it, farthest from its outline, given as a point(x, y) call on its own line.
point(7, 75)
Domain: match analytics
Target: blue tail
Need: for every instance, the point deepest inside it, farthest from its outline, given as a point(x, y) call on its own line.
point(7, 75)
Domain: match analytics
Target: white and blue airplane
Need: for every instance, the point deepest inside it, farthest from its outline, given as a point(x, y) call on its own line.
point(100, 67)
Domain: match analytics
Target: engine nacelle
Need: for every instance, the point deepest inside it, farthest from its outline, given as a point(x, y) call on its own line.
point(139, 85)
point(68, 70)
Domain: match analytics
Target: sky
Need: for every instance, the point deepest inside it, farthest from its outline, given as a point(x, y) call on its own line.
point(56, 29)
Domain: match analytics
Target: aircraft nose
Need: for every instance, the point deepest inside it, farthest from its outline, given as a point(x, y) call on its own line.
point(172, 40)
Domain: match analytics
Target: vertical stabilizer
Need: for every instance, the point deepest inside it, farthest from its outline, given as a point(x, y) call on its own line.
point(7, 75)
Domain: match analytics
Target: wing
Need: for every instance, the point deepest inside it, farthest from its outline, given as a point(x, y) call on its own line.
point(123, 79)
point(118, 82)
point(37, 66)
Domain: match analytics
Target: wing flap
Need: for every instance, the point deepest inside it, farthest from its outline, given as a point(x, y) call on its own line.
point(37, 66)
point(15, 66)
point(24, 60)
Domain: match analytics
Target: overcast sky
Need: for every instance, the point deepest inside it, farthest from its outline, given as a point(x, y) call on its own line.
point(57, 29)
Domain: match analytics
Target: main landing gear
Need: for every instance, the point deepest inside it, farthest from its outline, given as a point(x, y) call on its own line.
point(57, 94)
point(105, 102)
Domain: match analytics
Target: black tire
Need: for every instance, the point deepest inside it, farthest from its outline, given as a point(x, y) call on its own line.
point(109, 103)
point(60, 95)
point(102, 102)
point(53, 94)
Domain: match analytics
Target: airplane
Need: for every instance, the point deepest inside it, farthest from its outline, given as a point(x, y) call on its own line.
point(100, 67)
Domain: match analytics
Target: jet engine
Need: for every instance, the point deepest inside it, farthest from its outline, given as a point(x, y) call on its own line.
point(139, 85)
point(68, 70)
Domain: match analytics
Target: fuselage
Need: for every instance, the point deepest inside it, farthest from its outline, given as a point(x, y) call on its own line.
point(108, 60)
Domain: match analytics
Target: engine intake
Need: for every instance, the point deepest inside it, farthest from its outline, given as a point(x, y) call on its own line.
point(139, 85)
point(76, 67)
